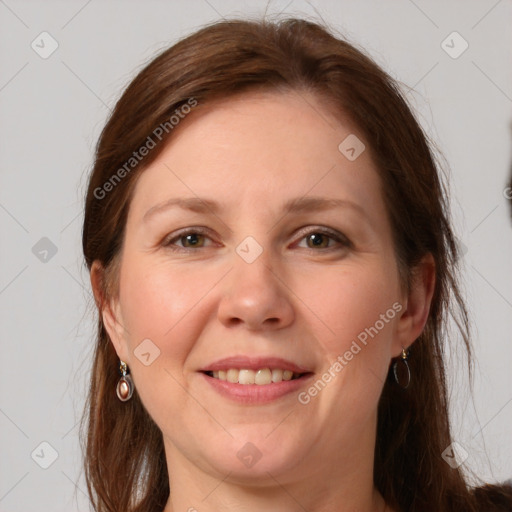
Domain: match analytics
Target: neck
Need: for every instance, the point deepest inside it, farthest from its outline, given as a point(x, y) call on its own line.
point(327, 481)
point(272, 496)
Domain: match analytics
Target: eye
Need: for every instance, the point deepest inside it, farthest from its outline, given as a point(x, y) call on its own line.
point(189, 239)
point(323, 239)
point(192, 240)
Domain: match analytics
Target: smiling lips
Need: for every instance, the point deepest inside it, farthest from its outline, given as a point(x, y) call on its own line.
point(255, 380)
point(261, 377)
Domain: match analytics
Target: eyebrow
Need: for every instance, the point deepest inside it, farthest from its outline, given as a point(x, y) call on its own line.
point(311, 204)
point(298, 205)
point(193, 204)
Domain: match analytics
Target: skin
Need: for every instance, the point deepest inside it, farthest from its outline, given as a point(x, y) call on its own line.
point(252, 154)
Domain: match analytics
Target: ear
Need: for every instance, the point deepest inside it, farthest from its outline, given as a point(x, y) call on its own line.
point(110, 311)
point(416, 305)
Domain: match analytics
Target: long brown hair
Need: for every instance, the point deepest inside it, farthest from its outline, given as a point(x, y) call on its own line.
point(125, 462)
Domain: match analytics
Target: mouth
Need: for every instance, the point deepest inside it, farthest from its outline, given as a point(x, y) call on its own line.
point(255, 380)
point(260, 377)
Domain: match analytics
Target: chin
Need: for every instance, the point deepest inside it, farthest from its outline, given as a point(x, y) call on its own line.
point(254, 458)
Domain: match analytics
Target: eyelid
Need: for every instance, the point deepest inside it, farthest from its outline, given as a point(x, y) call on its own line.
point(300, 234)
point(172, 237)
point(323, 230)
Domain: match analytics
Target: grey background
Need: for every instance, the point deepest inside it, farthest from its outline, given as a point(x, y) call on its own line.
point(52, 111)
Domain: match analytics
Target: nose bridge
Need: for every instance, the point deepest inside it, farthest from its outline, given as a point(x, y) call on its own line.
point(254, 264)
point(254, 296)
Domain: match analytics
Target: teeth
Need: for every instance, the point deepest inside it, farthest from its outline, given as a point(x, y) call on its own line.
point(287, 375)
point(246, 377)
point(232, 376)
point(261, 377)
point(277, 375)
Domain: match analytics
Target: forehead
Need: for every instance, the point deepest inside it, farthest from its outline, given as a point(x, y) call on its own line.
point(260, 147)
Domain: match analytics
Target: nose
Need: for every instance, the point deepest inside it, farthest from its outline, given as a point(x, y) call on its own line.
point(255, 297)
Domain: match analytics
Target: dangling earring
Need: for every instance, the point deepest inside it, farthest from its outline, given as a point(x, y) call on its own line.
point(404, 371)
point(124, 387)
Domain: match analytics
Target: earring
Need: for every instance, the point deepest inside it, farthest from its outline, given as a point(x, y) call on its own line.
point(124, 387)
point(402, 367)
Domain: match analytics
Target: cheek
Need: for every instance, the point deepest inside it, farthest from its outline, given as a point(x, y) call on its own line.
point(156, 298)
point(351, 308)
point(167, 306)
point(170, 306)
point(352, 304)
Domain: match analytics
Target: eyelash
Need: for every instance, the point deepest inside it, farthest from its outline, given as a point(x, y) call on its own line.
point(341, 239)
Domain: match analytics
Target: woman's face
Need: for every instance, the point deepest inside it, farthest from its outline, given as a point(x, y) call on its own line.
point(255, 237)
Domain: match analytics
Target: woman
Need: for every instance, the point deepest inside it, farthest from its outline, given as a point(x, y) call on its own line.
point(273, 264)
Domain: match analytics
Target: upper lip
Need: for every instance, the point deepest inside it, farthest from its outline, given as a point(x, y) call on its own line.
point(254, 363)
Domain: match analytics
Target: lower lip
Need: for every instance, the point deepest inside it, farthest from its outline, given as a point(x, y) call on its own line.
point(256, 393)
